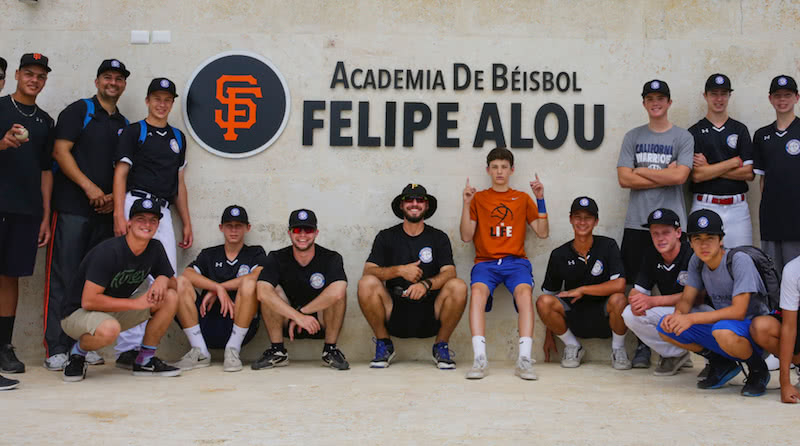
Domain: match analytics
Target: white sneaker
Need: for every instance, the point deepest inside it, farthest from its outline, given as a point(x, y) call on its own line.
point(56, 362)
point(479, 368)
point(94, 358)
point(525, 369)
point(619, 359)
point(232, 362)
point(193, 359)
point(571, 356)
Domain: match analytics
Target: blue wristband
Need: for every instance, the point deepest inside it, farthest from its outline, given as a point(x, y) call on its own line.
point(541, 206)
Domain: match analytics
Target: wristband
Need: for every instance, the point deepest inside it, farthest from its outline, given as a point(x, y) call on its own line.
point(541, 206)
point(428, 284)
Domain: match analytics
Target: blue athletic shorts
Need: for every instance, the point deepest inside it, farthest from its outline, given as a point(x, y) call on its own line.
point(511, 271)
point(702, 334)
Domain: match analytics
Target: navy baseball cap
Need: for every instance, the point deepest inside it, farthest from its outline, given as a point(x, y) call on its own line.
point(303, 218)
point(584, 204)
point(782, 82)
point(113, 65)
point(718, 81)
point(145, 206)
point(35, 59)
point(705, 221)
point(162, 84)
point(663, 216)
point(655, 86)
point(235, 213)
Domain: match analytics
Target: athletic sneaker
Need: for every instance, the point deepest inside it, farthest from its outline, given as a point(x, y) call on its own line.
point(756, 382)
point(55, 362)
point(271, 358)
point(670, 366)
point(8, 384)
point(232, 362)
point(441, 356)
point(619, 359)
point(8, 360)
point(383, 355)
point(641, 359)
point(334, 358)
point(94, 358)
point(571, 356)
point(524, 369)
point(704, 373)
point(75, 369)
point(193, 359)
point(479, 368)
point(155, 367)
point(126, 359)
point(721, 370)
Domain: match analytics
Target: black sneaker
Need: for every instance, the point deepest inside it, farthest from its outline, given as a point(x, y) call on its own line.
point(155, 367)
point(126, 359)
point(755, 383)
point(704, 373)
point(641, 359)
point(441, 356)
point(8, 360)
point(271, 358)
point(75, 368)
point(721, 370)
point(8, 384)
point(334, 358)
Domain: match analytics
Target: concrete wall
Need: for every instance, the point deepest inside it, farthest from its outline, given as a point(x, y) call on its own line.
point(614, 46)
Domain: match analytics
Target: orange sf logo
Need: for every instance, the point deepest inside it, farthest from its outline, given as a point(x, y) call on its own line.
point(232, 100)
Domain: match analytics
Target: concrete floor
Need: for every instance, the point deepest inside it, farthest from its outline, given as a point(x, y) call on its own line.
point(408, 403)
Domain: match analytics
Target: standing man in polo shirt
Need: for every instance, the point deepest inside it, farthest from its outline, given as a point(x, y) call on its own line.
point(589, 270)
point(654, 162)
point(151, 158)
point(776, 155)
point(723, 163)
point(86, 138)
point(26, 182)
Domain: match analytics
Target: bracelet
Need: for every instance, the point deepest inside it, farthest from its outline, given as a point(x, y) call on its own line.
point(428, 285)
point(541, 206)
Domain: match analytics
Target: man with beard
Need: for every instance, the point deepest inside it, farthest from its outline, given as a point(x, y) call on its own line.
point(303, 289)
point(85, 144)
point(26, 182)
point(409, 287)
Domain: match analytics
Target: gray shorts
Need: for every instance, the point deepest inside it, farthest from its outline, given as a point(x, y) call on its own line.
point(782, 252)
point(81, 322)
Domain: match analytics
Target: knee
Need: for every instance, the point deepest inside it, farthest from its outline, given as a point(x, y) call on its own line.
point(248, 287)
point(544, 303)
point(108, 330)
point(170, 299)
point(367, 285)
point(184, 285)
point(764, 326)
point(616, 303)
point(456, 289)
point(724, 336)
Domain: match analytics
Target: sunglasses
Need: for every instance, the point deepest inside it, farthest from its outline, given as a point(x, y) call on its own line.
point(418, 199)
point(303, 229)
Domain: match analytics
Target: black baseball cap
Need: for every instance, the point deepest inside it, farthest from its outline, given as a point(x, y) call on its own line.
point(718, 81)
point(35, 59)
point(782, 82)
point(414, 190)
point(655, 86)
point(145, 206)
point(705, 221)
point(162, 84)
point(663, 216)
point(303, 218)
point(235, 213)
point(584, 204)
point(113, 65)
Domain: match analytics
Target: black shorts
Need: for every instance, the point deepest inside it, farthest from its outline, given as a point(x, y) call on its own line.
point(413, 318)
point(588, 317)
point(777, 315)
point(636, 245)
point(19, 240)
point(217, 328)
point(304, 334)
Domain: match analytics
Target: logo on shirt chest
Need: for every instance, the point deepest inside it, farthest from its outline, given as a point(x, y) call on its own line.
point(426, 255)
point(218, 264)
point(243, 271)
point(174, 146)
point(732, 140)
point(317, 281)
point(683, 277)
point(597, 269)
point(128, 277)
point(793, 147)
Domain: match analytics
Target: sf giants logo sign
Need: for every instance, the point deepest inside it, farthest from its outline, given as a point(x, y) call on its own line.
point(236, 104)
point(230, 96)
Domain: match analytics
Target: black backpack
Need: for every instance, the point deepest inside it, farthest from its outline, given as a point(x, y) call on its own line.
point(766, 269)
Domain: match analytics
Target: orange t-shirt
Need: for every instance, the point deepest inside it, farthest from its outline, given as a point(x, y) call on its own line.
point(502, 219)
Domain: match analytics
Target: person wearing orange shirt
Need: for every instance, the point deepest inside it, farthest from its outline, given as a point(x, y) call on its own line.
point(495, 219)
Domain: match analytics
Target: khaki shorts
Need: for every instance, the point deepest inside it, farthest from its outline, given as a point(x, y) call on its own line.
point(81, 321)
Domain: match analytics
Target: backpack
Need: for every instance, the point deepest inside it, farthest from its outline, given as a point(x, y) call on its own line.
point(86, 120)
point(766, 269)
point(143, 133)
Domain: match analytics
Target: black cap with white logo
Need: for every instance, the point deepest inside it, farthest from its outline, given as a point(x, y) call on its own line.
point(303, 218)
point(145, 206)
point(663, 216)
point(705, 221)
point(584, 204)
point(234, 213)
point(655, 86)
point(113, 65)
point(782, 82)
point(162, 84)
point(718, 81)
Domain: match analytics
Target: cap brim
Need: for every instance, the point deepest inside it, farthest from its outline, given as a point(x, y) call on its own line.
point(46, 68)
point(398, 211)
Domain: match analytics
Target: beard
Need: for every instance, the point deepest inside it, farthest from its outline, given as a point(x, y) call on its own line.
point(413, 219)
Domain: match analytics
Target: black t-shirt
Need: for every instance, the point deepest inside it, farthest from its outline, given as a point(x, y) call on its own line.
point(21, 168)
point(112, 265)
point(567, 270)
point(154, 163)
point(393, 247)
point(776, 155)
point(671, 278)
point(94, 149)
point(720, 144)
point(214, 264)
point(302, 284)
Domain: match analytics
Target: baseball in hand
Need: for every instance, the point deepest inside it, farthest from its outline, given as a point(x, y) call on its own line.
point(22, 134)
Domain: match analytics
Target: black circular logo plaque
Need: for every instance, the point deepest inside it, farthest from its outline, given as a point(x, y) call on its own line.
point(236, 104)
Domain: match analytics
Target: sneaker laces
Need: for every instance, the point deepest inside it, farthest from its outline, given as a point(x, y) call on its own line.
point(336, 355)
point(381, 349)
point(571, 352)
point(443, 351)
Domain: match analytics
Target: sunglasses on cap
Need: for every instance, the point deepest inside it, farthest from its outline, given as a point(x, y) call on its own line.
point(303, 229)
point(413, 198)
